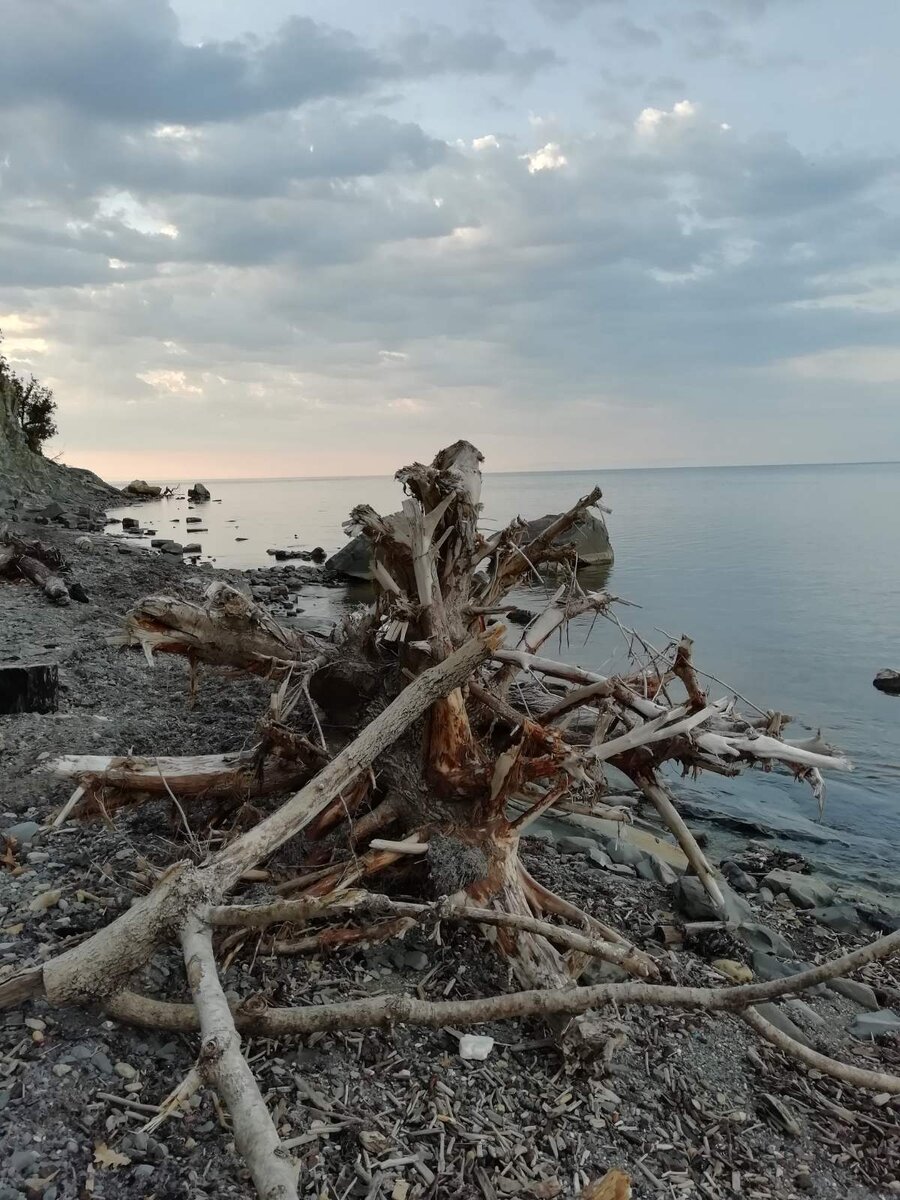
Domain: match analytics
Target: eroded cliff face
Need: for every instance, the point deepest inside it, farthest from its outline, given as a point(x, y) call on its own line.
point(29, 477)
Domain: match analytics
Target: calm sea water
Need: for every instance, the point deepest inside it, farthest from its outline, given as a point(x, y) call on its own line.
point(788, 579)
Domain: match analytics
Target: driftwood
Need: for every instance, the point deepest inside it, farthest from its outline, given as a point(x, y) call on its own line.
point(448, 762)
point(36, 562)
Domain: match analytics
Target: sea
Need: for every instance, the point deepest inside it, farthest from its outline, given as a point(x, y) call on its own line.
point(786, 577)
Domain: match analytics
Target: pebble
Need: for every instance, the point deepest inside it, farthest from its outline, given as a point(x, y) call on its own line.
point(101, 1062)
point(125, 1070)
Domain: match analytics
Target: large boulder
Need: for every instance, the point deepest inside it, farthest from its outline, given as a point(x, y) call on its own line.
point(199, 492)
point(589, 537)
point(143, 489)
point(888, 681)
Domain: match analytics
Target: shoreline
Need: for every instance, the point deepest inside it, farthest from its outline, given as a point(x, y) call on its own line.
point(622, 1114)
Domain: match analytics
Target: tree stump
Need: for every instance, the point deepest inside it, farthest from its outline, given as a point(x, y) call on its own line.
point(32, 688)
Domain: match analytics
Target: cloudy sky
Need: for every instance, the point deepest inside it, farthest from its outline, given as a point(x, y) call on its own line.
point(308, 237)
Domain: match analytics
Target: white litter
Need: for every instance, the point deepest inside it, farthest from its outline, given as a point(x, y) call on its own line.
point(473, 1045)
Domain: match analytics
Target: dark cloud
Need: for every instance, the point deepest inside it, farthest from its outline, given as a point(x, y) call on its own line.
point(124, 60)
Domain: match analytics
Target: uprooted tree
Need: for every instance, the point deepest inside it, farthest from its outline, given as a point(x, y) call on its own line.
point(422, 745)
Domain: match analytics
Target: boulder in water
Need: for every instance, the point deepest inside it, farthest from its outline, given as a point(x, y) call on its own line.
point(140, 487)
point(199, 492)
point(888, 681)
point(589, 537)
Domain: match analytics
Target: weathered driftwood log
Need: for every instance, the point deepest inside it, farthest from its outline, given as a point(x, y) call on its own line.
point(36, 562)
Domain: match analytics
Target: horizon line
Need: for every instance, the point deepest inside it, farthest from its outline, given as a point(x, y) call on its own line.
point(862, 462)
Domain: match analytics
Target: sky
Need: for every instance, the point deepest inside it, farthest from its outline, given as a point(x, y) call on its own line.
point(325, 237)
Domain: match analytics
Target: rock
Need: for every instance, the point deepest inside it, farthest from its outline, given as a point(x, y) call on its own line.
point(25, 832)
point(734, 970)
point(805, 890)
point(193, 548)
point(882, 1023)
point(318, 554)
point(172, 548)
point(199, 492)
point(519, 616)
point(842, 918)
point(33, 688)
point(193, 520)
point(590, 539)
point(888, 681)
point(774, 1015)
point(125, 1070)
point(599, 858)
point(767, 967)
point(765, 896)
point(576, 845)
point(756, 936)
point(101, 1061)
point(140, 487)
point(737, 877)
point(84, 544)
point(130, 523)
point(417, 960)
point(859, 993)
point(881, 919)
point(690, 898)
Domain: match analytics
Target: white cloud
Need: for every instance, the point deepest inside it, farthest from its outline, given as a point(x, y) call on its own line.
point(488, 142)
point(173, 383)
point(650, 120)
point(548, 158)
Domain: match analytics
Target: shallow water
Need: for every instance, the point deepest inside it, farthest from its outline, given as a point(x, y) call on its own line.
point(788, 578)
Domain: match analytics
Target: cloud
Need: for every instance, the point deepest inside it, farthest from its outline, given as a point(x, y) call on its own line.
point(124, 60)
point(367, 288)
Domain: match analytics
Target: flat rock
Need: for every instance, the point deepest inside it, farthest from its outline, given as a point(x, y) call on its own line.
point(774, 1015)
point(882, 1023)
point(842, 918)
point(759, 937)
point(859, 993)
point(805, 890)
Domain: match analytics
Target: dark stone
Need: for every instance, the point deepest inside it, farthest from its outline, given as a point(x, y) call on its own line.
point(341, 688)
point(193, 548)
point(737, 877)
point(888, 681)
point(317, 554)
point(130, 523)
point(29, 688)
point(199, 492)
point(193, 520)
point(842, 918)
point(77, 592)
point(519, 616)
